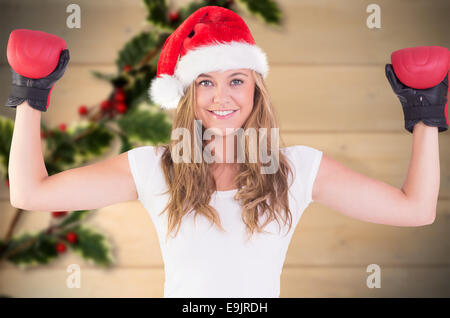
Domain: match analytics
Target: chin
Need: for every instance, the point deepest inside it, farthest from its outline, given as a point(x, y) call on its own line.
point(223, 131)
point(216, 131)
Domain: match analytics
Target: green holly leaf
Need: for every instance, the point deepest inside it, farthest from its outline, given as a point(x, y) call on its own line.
point(80, 143)
point(91, 245)
point(6, 133)
point(73, 217)
point(102, 76)
point(93, 140)
point(267, 9)
point(60, 151)
point(136, 49)
point(126, 144)
point(157, 12)
point(146, 125)
point(31, 249)
point(138, 91)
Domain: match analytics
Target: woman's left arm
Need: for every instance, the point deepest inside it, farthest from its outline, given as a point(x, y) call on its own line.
point(371, 200)
point(423, 179)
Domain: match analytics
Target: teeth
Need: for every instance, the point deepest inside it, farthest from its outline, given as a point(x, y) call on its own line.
point(223, 113)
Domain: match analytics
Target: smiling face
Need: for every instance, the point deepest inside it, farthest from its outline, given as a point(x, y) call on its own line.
point(229, 94)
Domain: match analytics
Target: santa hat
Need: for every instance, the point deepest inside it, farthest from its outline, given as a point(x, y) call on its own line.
point(211, 39)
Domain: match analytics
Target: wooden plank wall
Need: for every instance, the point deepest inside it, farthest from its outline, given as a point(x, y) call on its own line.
point(327, 82)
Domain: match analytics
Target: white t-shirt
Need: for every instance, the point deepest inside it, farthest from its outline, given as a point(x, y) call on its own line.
point(203, 261)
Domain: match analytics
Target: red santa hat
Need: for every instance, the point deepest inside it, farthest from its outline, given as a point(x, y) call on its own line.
point(211, 39)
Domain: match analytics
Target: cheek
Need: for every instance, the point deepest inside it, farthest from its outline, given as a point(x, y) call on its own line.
point(199, 105)
point(247, 104)
point(201, 114)
point(246, 114)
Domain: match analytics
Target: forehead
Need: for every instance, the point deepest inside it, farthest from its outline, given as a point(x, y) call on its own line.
point(227, 73)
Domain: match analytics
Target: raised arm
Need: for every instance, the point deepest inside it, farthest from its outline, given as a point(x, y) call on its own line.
point(37, 61)
point(371, 200)
point(419, 78)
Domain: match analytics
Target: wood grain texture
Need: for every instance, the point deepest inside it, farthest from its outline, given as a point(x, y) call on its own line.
point(295, 282)
point(325, 32)
point(322, 237)
point(329, 90)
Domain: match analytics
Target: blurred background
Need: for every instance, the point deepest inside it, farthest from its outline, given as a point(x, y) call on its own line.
point(328, 86)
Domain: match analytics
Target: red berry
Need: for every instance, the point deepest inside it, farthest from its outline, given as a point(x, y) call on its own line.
point(43, 134)
point(106, 104)
point(121, 107)
point(71, 237)
point(127, 68)
point(119, 96)
point(174, 16)
point(7, 182)
point(62, 127)
point(82, 110)
point(60, 247)
point(58, 214)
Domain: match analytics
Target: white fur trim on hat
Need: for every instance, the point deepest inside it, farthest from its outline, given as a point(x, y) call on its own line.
point(166, 91)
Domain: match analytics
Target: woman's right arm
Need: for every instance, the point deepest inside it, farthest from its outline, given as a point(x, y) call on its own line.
point(84, 188)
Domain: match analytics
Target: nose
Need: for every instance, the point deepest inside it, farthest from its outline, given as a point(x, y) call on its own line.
point(221, 94)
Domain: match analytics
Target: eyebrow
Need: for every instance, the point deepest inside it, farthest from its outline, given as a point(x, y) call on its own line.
point(204, 75)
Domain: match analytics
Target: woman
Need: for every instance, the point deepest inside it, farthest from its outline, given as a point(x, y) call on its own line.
point(231, 221)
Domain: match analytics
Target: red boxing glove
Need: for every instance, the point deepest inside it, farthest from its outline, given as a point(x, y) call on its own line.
point(419, 78)
point(37, 61)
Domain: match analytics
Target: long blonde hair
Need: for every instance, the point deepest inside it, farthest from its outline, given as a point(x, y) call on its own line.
point(191, 185)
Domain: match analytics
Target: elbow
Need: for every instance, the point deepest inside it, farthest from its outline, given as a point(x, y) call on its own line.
point(15, 197)
point(431, 218)
point(17, 202)
point(427, 218)
point(19, 199)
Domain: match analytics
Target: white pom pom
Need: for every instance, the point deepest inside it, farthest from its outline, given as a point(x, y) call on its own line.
point(166, 91)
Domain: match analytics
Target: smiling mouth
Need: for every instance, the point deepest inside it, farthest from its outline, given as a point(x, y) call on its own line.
point(223, 114)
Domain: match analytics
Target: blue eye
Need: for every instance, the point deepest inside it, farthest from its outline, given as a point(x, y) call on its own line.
point(200, 83)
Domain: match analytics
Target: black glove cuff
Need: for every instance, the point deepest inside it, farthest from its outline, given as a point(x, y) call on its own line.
point(423, 112)
point(441, 124)
point(30, 92)
point(36, 97)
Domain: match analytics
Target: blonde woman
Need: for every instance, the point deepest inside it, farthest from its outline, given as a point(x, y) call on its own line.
point(224, 221)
